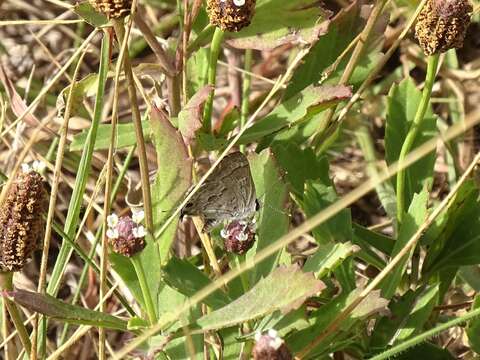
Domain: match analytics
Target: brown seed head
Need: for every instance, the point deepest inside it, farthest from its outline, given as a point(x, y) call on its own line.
point(127, 237)
point(112, 9)
point(269, 346)
point(442, 25)
point(230, 15)
point(22, 224)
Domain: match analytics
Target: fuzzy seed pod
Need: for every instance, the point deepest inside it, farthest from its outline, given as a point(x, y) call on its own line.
point(22, 224)
point(230, 15)
point(112, 9)
point(442, 25)
point(270, 346)
point(238, 237)
point(126, 236)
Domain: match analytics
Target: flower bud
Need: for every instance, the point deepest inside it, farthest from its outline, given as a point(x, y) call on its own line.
point(112, 9)
point(230, 15)
point(22, 224)
point(126, 236)
point(442, 25)
point(270, 346)
point(238, 236)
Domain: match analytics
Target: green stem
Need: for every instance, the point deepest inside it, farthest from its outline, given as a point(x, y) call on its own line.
point(425, 336)
point(413, 132)
point(211, 78)
point(6, 283)
point(247, 80)
point(147, 296)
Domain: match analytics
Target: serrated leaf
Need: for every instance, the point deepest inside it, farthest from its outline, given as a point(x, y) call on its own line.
point(272, 220)
point(182, 276)
point(174, 176)
point(322, 318)
point(417, 214)
point(300, 107)
point(328, 257)
point(125, 136)
point(190, 117)
point(57, 309)
point(278, 22)
point(402, 103)
point(285, 289)
point(88, 13)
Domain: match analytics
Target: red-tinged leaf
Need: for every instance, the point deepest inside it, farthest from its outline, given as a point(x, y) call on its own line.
point(57, 309)
point(190, 118)
point(278, 22)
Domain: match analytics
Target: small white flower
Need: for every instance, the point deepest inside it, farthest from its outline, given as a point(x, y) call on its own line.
point(38, 166)
point(139, 232)
point(241, 236)
point(224, 233)
point(272, 333)
point(112, 220)
point(138, 216)
point(258, 336)
point(276, 343)
point(112, 234)
point(239, 2)
point(26, 168)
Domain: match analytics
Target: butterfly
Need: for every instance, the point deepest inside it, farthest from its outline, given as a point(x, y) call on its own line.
point(228, 194)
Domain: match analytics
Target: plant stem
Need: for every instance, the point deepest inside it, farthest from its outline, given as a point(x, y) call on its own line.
point(147, 297)
point(137, 122)
point(6, 283)
point(211, 78)
point(247, 80)
point(413, 132)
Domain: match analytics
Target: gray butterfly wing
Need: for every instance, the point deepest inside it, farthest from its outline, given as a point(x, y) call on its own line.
point(227, 194)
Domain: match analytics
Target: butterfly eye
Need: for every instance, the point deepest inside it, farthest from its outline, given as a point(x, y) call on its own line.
point(257, 205)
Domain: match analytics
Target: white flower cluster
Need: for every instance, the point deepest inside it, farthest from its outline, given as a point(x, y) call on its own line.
point(242, 235)
point(275, 340)
point(137, 217)
point(37, 166)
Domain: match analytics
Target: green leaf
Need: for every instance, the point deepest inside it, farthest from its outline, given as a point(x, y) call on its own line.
point(301, 107)
point(84, 88)
point(323, 317)
point(278, 22)
point(402, 104)
point(272, 220)
point(174, 176)
point(285, 289)
point(300, 165)
point(57, 309)
point(419, 314)
point(182, 276)
point(416, 216)
point(88, 13)
point(317, 197)
point(125, 136)
point(328, 257)
point(461, 211)
point(346, 25)
point(473, 329)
